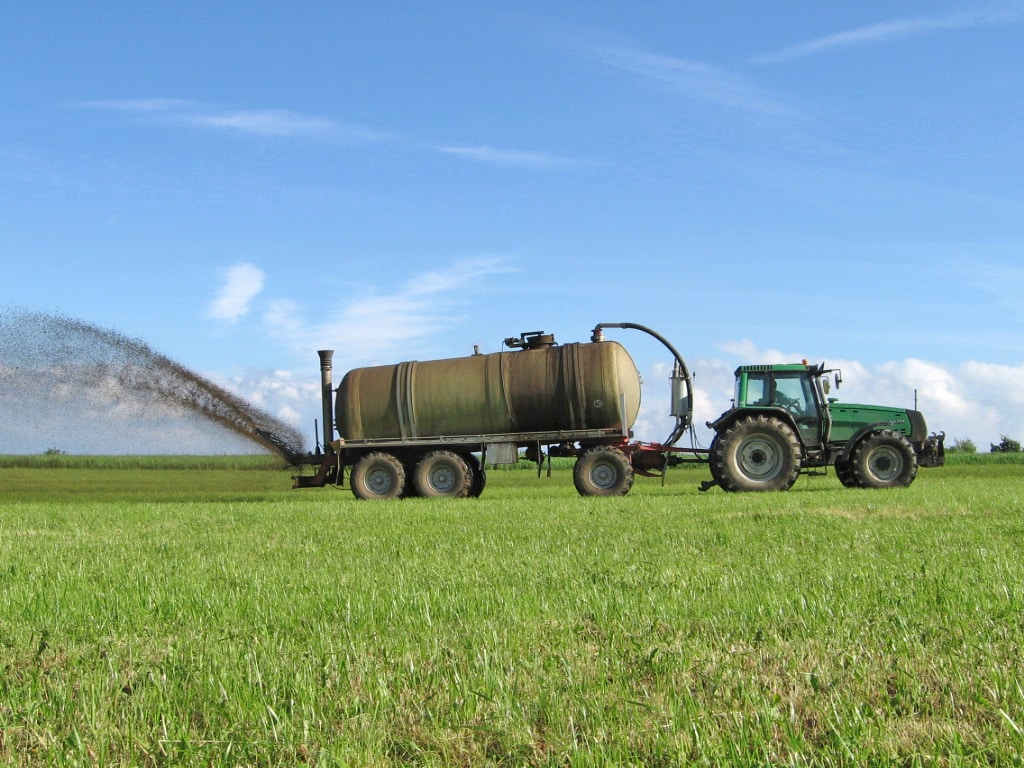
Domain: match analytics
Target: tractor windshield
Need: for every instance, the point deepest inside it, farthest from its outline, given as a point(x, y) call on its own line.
point(785, 390)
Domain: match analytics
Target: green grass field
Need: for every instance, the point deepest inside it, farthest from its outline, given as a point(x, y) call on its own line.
point(174, 614)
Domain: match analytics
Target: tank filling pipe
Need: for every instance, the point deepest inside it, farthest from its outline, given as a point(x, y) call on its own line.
point(682, 381)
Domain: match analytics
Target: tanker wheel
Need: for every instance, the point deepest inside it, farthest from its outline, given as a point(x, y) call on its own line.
point(409, 465)
point(378, 476)
point(479, 475)
point(884, 460)
point(442, 473)
point(844, 471)
point(758, 453)
point(603, 471)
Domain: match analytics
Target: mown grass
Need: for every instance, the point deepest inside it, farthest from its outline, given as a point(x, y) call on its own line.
point(218, 617)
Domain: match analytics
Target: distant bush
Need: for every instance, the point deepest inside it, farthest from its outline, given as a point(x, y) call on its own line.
point(1006, 445)
point(53, 452)
point(966, 445)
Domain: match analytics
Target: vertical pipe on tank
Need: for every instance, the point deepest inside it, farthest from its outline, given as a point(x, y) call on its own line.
point(326, 387)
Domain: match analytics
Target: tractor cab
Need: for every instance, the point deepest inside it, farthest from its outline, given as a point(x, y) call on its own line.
point(798, 389)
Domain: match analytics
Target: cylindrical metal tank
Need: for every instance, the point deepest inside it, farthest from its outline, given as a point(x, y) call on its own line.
point(555, 388)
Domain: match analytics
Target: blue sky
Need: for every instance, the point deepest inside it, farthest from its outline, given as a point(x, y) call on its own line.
point(239, 184)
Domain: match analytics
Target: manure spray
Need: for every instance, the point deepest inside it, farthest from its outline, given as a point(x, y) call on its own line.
point(62, 361)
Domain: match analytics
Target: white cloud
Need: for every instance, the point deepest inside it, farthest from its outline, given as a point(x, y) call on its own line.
point(377, 325)
point(262, 122)
point(900, 29)
point(373, 329)
point(255, 122)
point(243, 282)
point(153, 105)
point(509, 157)
point(747, 351)
point(695, 80)
point(712, 392)
point(281, 123)
point(285, 395)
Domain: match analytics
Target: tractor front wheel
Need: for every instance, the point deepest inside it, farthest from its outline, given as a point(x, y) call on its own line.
point(884, 460)
point(758, 453)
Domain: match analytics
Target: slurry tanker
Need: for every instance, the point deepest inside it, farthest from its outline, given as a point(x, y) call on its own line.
point(431, 428)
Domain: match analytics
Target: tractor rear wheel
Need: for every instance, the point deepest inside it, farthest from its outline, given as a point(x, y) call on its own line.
point(442, 473)
point(844, 471)
point(711, 463)
point(378, 476)
point(603, 471)
point(758, 453)
point(884, 460)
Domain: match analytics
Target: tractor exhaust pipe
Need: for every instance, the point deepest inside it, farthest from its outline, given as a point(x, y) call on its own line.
point(326, 389)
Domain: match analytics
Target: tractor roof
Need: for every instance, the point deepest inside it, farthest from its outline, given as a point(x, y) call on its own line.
point(776, 368)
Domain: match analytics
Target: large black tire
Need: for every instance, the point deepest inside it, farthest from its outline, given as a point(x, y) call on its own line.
point(442, 474)
point(844, 471)
point(409, 462)
point(603, 471)
point(757, 453)
point(479, 475)
point(711, 464)
point(378, 476)
point(884, 459)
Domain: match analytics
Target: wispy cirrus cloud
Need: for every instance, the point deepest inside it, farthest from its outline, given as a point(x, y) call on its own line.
point(139, 106)
point(263, 123)
point(694, 79)
point(899, 29)
point(279, 123)
point(387, 322)
point(511, 158)
point(254, 122)
point(242, 283)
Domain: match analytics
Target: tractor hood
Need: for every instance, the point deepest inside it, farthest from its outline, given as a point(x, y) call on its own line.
point(850, 418)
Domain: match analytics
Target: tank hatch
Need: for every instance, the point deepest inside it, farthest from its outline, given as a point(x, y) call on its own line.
point(531, 340)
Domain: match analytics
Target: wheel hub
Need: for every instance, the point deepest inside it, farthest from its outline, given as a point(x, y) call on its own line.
point(886, 463)
point(603, 475)
point(442, 479)
point(760, 459)
point(379, 481)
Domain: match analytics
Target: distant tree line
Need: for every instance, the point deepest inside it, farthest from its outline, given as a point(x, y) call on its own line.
point(966, 445)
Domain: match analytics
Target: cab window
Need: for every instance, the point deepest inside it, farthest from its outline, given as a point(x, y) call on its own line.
point(757, 389)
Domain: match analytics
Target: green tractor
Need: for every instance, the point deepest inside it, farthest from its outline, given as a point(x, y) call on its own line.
point(783, 423)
